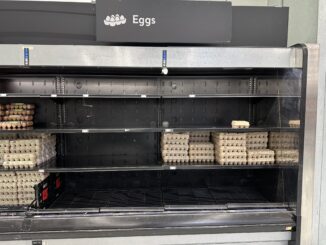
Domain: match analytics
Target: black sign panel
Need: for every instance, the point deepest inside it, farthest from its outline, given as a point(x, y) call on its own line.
point(163, 21)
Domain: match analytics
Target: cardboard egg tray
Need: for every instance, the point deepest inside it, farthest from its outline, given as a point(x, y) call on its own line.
point(174, 147)
point(199, 136)
point(257, 140)
point(287, 156)
point(28, 153)
point(230, 148)
point(15, 125)
point(175, 159)
point(201, 152)
point(283, 140)
point(17, 188)
point(260, 157)
point(9, 202)
point(240, 124)
point(294, 123)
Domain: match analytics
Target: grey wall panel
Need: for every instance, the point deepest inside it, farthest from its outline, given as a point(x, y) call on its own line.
point(74, 23)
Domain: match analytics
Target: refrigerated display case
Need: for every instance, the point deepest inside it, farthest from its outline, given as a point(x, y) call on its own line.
point(110, 109)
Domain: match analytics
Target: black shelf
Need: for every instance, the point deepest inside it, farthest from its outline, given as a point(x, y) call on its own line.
point(146, 96)
point(98, 164)
point(67, 130)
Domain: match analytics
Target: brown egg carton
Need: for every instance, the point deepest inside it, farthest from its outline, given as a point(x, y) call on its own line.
point(18, 112)
point(19, 106)
point(16, 125)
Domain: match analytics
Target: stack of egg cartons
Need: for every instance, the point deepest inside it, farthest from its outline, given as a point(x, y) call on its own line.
point(2, 112)
point(17, 116)
point(286, 147)
point(174, 148)
point(257, 152)
point(201, 150)
point(29, 151)
point(8, 189)
point(25, 186)
point(230, 148)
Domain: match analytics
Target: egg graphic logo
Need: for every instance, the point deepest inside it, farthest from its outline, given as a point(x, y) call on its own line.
point(115, 20)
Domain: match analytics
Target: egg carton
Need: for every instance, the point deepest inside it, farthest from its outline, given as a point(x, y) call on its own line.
point(242, 154)
point(8, 185)
point(2, 107)
point(204, 146)
point(175, 137)
point(265, 153)
point(19, 106)
point(257, 146)
point(230, 149)
point(8, 179)
point(31, 176)
point(174, 147)
point(201, 159)
point(17, 118)
point(9, 202)
point(9, 136)
point(19, 164)
point(2, 113)
point(199, 136)
point(28, 196)
point(8, 174)
point(201, 153)
point(175, 142)
point(240, 124)
point(174, 154)
point(25, 201)
point(284, 137)
point(22, 112)
point(175, 160)
point(231, 143)
point(36, 136)
point(16, 125)
point(232, 161)
point(283, 156)
point(229, 136)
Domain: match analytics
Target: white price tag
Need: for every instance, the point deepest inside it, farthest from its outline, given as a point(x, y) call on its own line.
point(127, 129)
point(41, 170)
point(3, 95)
point(54, 95)
point(168, 130)
point(192, 95)
point(85, 95)
point(173, 167)
point(85, 130)
point(143, 96)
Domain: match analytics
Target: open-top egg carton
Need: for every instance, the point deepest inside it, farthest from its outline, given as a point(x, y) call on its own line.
point(230, 148)
point(240, 124)
point(287, 156)
point(174, 147)
point(283, 140)
point(257, 140)
point(294, 123)
point(201, 152)
point(261, 157)
point(199, 136)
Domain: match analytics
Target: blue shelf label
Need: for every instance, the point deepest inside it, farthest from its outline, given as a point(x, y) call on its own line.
point(26, 56)
point(164, 58)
